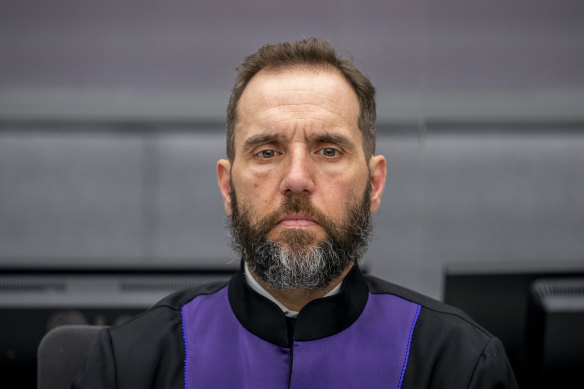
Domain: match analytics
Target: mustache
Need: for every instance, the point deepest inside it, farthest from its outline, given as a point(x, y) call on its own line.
point(294, 203)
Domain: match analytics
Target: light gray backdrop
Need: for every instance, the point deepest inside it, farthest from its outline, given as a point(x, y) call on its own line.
point(112, 119)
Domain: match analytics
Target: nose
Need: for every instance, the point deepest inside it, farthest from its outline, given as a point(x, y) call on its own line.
point(298, 173)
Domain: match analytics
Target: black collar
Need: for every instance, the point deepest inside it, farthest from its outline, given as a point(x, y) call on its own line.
point(318, 319)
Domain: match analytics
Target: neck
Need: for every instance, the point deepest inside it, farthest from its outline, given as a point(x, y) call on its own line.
point(296, 299)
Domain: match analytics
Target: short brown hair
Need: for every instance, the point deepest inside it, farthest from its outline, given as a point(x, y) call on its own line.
point(310, 52)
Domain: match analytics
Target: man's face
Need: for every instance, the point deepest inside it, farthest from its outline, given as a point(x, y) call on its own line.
point(299, 169)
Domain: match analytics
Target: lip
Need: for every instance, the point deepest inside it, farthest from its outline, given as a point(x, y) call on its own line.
point(297, 220)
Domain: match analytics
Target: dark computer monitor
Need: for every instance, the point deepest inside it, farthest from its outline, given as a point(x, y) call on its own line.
point(36, 300)
point(555, 333)
point(497, 296)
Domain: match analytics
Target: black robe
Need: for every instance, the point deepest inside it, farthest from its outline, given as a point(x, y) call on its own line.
point(373, 334)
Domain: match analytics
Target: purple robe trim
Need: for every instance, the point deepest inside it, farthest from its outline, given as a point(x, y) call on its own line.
point(186, 341)
point(401, 380)
point(371, 353)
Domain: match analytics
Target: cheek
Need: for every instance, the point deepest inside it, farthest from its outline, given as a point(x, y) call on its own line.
point(254, 195)
point(346, 193)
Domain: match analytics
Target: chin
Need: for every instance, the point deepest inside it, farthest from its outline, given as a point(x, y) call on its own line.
point(298, 239)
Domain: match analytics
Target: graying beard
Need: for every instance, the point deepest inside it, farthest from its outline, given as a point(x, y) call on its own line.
point(282, 268)
point(297, 265)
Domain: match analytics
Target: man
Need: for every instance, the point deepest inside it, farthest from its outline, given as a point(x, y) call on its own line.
point(300, 183)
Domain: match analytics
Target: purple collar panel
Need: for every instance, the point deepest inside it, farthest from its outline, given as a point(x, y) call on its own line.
point(236, 338)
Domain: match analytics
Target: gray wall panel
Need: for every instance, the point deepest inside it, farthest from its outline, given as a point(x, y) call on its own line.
point(192, 225)
point(478, 198)
point(70, 196)
point(420, 50)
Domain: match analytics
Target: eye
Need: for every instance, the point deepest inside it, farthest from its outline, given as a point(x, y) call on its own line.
point(267, 154)
point(329, 152)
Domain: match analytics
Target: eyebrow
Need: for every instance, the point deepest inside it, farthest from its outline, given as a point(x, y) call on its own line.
point(255, 140)
point(259, 139)
point(338, 139)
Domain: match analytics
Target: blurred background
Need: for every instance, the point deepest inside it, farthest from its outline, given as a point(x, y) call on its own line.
point(112, 119)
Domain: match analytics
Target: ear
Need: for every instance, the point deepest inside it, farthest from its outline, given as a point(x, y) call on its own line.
point(224, 181)
point(378, 171)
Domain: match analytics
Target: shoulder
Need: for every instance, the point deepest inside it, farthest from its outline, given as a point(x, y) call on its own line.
point(147, 351)
point(166, 314)
point(448, 348)
point(437, 312)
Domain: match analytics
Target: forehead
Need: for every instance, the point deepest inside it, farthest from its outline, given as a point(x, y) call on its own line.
point(307, 98)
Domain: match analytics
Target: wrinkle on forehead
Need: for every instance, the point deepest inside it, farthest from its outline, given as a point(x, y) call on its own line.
point(297, 91)
point(299, 105)
point(279, 121)
point(338, 101)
